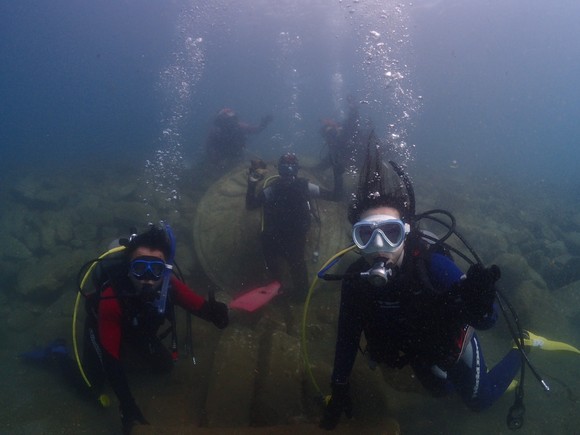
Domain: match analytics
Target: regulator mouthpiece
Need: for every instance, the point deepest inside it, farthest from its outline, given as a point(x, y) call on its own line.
point(379, 274)
point(147, 292)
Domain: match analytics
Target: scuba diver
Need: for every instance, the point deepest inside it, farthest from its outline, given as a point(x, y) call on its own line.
point(136, 293)
point(342, 140)
point(414, 305)
point(226, 140)
point(287, 211)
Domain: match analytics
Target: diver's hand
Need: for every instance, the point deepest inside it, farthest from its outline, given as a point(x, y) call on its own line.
point(339, 402)
point(131, 415)
point(255, 175)
point(480, 284)
point(215, 312)
point(219, 314)
point(257, 170)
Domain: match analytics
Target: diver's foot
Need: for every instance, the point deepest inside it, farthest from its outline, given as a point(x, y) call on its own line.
point(512, 386)
point(525, 342)
point(532, 340)
point(57, 348)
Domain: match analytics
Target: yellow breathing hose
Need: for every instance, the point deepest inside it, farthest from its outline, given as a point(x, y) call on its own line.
point(303, 341)
point(103, 399)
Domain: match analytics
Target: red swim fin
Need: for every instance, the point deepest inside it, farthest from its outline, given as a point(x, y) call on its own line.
point(256, 298)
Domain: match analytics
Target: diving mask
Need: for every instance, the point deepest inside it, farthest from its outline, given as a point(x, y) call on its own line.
point(287, 170)
point(147, 268)
point(379, 233)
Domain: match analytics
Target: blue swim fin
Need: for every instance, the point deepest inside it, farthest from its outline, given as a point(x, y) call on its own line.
point(56, 348)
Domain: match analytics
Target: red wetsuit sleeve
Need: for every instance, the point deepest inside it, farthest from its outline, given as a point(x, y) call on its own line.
point(110, 323)
point(185, 297)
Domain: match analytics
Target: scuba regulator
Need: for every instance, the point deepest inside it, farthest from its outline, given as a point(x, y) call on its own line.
point(379, 274)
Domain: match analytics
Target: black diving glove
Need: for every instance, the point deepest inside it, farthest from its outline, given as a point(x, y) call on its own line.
point(215, 312)
point(479, 287)
point(339, 402)
point(130, 415)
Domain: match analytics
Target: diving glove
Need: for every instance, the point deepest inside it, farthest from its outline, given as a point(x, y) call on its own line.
point(479, 286)
point(215, 312)
point(219, 314)
point(339, 402)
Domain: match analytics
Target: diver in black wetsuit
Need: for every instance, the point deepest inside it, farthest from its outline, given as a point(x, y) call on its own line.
point(413, 305)
point(226, 141)
point(287, 204)
point(342, 141)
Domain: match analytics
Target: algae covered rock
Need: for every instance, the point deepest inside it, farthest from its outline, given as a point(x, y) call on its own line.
point(46, 278)
point(227, 236)
point(12, 248)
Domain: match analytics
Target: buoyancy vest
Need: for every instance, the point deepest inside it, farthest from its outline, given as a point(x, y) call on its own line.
point(429, 328)
point(287, 208)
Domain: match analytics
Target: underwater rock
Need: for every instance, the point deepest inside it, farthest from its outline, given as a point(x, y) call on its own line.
point(562, 270)
point(37, 193)
point(278, 397)
point(575, 219)
point(555, 249)
point(85, 232)
point(517, 235)
point(546, 313)
point(127, 214)
point(484, 239)
point(31, 238)
point(530, 302)
point(16, 219)
point(53, 275)
point(57, 227)
point(127, 190)
point(91, 200)
point(515, 270)
point(9, 271)
point(231, 386)
point(12, 248)
point(47, 237)
point(572, 241)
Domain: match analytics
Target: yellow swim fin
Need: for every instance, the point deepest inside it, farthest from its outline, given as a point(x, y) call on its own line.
point(533, 340)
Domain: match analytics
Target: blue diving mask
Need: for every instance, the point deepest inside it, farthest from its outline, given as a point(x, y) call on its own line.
point(147, 268)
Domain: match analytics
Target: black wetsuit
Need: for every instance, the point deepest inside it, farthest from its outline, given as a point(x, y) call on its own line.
point(421, 318)
point(287, 216)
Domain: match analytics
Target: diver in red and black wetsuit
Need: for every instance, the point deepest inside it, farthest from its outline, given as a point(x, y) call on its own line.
point(130, 309)
point(135, 294)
